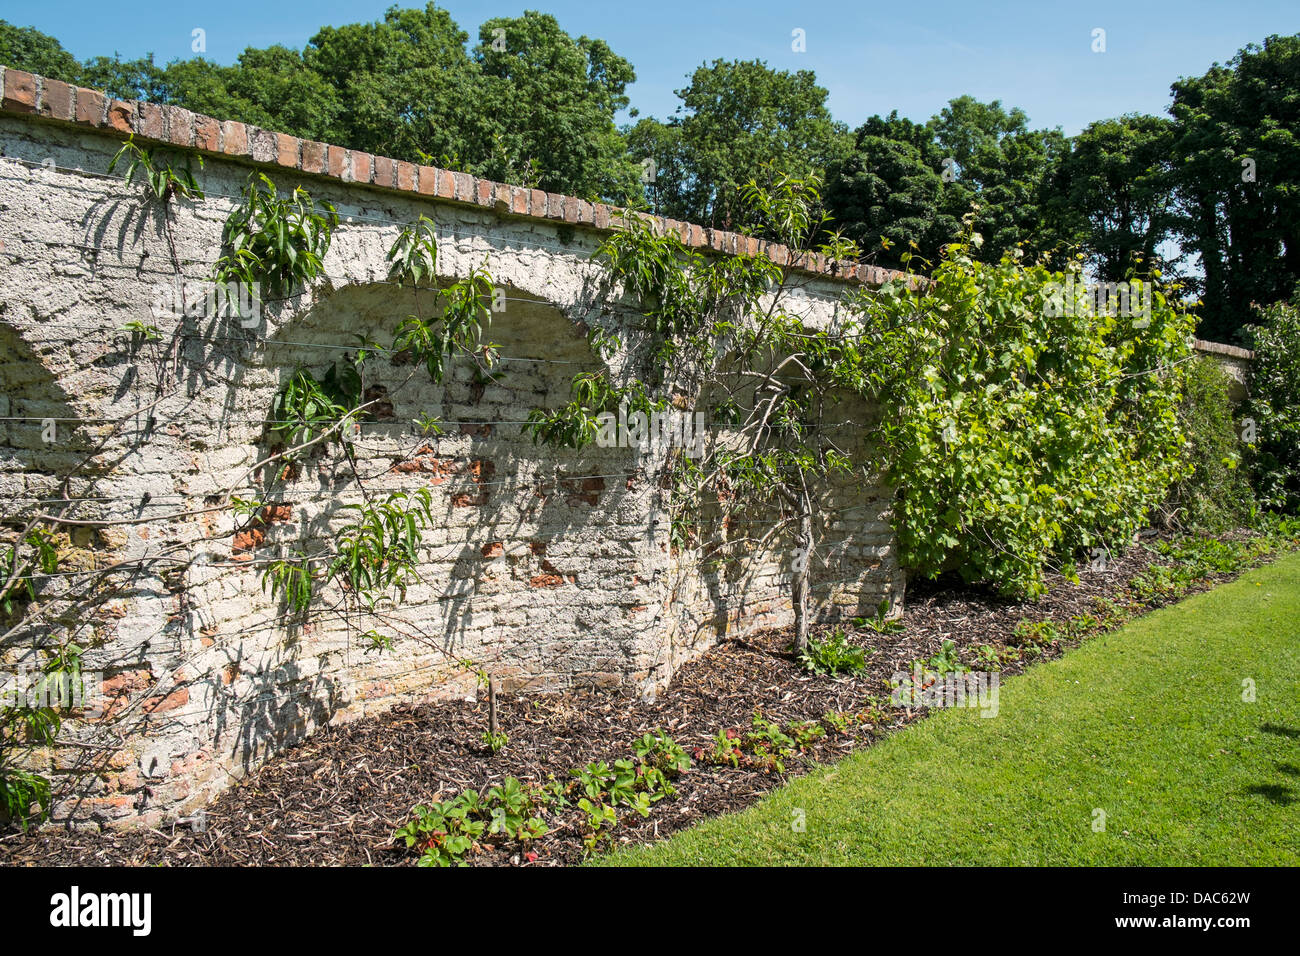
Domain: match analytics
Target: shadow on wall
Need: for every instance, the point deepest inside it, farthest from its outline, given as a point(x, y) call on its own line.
point(43, 441)
point(515, 568)
point(732, 568)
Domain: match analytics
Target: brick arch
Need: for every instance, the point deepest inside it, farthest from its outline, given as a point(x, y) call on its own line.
point(524, 551)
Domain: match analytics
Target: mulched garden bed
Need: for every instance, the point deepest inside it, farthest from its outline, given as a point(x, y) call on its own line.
point(336, 798)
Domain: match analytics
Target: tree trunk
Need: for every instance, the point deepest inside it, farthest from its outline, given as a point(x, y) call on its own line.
point(802, 569)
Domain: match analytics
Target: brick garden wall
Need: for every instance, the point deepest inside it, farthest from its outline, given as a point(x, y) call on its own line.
point(550, 568)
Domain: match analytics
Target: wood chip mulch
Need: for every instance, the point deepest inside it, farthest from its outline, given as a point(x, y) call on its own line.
point(335, 798)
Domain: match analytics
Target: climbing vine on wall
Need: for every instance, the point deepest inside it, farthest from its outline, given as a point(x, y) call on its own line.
point(733, 329)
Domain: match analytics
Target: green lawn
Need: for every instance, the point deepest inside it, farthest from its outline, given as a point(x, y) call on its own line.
point(1146, 723)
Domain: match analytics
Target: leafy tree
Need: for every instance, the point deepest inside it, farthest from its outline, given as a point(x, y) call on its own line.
point(553, 104)
point(1236, 151)
point(1113, 194)
point(656, 150)
point(139, 79)
point(405, 86)
point(1020, 425)
point(1275, 407)
point(26, 48)
point(1215, 495)
point(731, 332)
point(1000, 166)
point(887, 194)
point(740, 116)
point(272, 88)
point(913, 183)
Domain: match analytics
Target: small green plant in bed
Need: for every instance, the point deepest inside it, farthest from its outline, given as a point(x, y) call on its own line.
point(445, 832)
point(878, 623)
point(767, 745)
point(833, 655)
point(636, 784)
point(1036, 633)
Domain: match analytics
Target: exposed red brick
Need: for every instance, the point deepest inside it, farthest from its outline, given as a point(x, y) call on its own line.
point(229, 673)
point(273, 513)
point(91, 107)
point(424, 460)
point(475, 430)
point(428, 181)
point(56, 99)
point(248, 539)
point(126, 682)
point(207, 133)
point(696, 236)
point(554, 206)
point(519, 201)
point(152, 123)
point(551, 573)
point(234, 139)
point(385, 171)
point(600, 216)
point(116, 691)
point(20, 91)
point(405, 176)
point(286, 150)
point(361, 166)
point(545, 581)
point(464, 187)
point(337, 161)
point(483, 192)
point(177, 698)
point(121, 116)
point(313, 156)
point(582, 490)
point(466, 500)
point(446, 184)
point(493, 549)
point(536, 202)
point(501, 197)
point(571, 208)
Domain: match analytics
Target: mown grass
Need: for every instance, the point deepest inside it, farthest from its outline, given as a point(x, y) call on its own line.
point(1146, 723)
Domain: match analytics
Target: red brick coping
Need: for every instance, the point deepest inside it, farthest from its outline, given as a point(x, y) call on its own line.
point(173, 126)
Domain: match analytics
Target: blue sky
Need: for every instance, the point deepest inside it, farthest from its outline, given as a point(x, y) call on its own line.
point(873, 57)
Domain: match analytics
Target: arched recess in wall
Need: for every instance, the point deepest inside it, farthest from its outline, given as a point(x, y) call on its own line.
point(42, 440)
point(514, 523)
point(732, 570)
